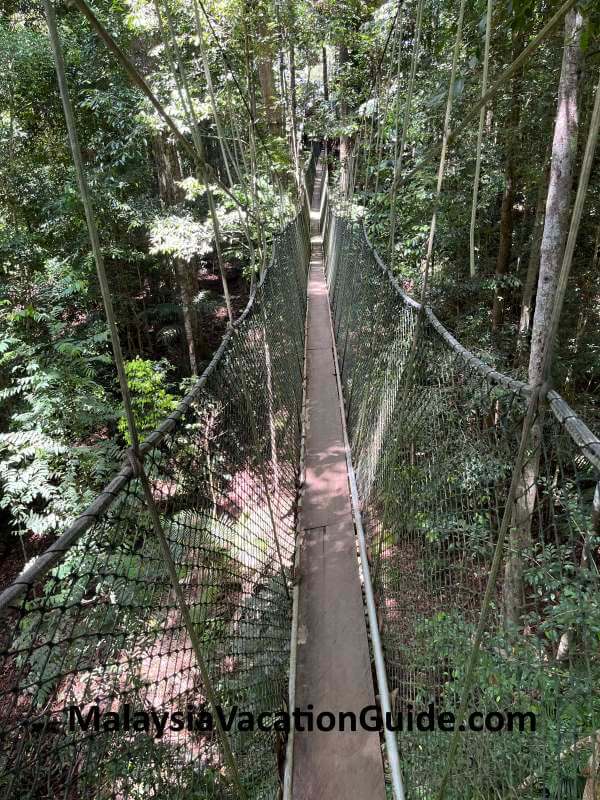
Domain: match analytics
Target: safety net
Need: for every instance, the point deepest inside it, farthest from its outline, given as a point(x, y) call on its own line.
point(93, 637)
point(434, 434)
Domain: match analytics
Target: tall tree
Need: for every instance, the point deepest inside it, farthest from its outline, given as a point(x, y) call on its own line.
point(562, 169)
point(345, 138)
point(556, 225)
point(533, 264)
point(169, 179)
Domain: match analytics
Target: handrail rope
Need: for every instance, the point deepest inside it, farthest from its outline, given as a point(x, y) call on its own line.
point(580, 433)
point(104, 500)
point(517, 386)
point(565, 415)
point(133, 454)
point(591, 445)
point(577, 429)
point(108, 495)
point(539, 393)
point(535, 395)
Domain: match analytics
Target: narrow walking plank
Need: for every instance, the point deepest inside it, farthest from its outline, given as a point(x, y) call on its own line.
point(333, 664)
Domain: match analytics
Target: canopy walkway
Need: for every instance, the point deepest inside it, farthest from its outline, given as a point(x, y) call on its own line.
point(324, 525)
point(93, 623)
point(333, 670)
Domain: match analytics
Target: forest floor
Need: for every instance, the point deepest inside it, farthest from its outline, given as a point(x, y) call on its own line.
point(14, 556)
point(209, 280)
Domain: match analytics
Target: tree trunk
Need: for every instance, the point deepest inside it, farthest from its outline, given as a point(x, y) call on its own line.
point(591, 789)
point(325, 76)
point(189, 312)
point(265, 79)
point(532, 272)
point(168, 173)
point(294, 111)
point(556, 224)
point(345, 140)
point(562, 167)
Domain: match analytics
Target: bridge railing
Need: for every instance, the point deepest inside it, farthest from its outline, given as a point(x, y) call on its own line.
point(310, 170)
point(93, 638)
point(434, 434)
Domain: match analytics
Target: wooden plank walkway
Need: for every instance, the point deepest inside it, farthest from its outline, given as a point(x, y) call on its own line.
point(333, 663)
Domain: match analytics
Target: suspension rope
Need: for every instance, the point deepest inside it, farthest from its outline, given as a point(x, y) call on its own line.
point(442, 165)
point(377, 119)
point(137, 79)
point(247, 107)
point(361, 136)
point(187, 105)
point(520, 61)
point(484, 77)
point(395, 56)
point(135, 457)
point(399, 153)
point(201, 160)
point(226, 153)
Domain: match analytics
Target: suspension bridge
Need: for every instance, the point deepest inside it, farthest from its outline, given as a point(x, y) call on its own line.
point(320, 524)
point(95, 623)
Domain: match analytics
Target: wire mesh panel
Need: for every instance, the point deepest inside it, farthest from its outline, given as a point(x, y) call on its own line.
point(434, 435)
point(101, 696)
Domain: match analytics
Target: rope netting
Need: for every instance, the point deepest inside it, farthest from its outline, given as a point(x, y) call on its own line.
point(94, 622)
point(434, 434)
